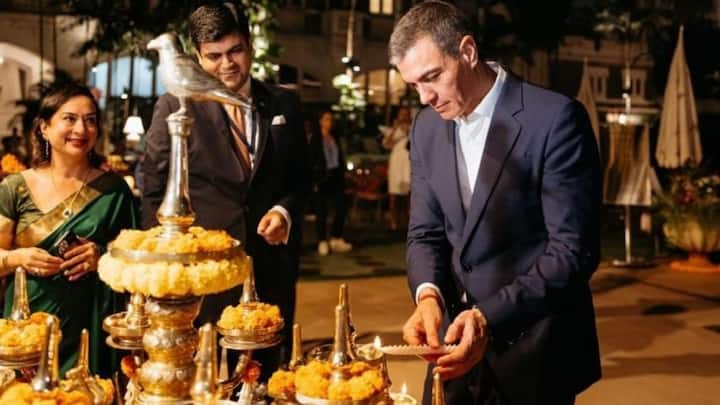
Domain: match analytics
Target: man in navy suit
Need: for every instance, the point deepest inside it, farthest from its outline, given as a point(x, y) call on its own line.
point(504, 221)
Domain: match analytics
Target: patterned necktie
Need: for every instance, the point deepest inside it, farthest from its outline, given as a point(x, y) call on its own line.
point(238, 130)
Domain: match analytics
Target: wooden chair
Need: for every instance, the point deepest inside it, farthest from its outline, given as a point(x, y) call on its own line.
point(368, 184)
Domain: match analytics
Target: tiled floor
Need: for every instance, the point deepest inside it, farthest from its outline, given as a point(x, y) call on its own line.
point(658, 331)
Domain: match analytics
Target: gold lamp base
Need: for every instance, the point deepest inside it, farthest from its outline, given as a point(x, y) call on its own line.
point(170, 344)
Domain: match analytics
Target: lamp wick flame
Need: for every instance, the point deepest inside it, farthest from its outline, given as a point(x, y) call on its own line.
point(403, 389)
point(377, 343)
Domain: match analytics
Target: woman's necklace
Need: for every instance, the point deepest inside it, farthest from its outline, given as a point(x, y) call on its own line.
point(68, 211)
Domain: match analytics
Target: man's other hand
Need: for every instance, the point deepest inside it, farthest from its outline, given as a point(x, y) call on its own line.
point(273, 227)
point(423, 325)
point(470, 328)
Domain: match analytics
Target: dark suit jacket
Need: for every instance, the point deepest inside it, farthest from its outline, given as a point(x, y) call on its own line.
point(529, 243)
point(280, 177)
point(222, 196)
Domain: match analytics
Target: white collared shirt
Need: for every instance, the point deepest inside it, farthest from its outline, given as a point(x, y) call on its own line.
point(250, 120)
point(251, 136)
point(471, 134)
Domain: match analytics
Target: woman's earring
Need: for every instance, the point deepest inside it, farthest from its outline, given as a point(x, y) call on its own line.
point(47, 150)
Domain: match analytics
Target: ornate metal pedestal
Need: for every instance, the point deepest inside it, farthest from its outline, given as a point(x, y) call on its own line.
point(170, 341)
point(170, 344)
point(343, 353)
point(27, 356)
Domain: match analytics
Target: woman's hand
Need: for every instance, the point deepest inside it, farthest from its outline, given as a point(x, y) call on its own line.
point(80, 260)
point(35, 261)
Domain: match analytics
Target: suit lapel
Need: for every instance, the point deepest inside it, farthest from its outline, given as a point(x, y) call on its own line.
point(261, 102)
point(446, 170)
point(502, 134)
point(220, 120)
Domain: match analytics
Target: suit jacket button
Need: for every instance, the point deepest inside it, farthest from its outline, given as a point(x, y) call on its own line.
point(466, 268)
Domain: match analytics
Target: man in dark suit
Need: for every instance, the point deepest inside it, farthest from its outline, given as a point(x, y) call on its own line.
point(247, 167)
point(504, 221)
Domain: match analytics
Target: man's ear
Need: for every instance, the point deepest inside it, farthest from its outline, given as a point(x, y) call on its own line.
point(468, 50)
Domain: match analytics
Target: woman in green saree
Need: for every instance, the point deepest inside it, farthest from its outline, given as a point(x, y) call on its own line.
point(65, 191)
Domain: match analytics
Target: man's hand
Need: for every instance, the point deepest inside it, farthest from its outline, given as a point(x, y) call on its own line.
point(273, 228)
point(470, 327)
point(423, 325)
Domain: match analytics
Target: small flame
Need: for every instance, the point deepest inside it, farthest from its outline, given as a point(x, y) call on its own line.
point(377, 343)
point(403, 389)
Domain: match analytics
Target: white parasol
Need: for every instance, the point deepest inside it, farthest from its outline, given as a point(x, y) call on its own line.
point(679, 137)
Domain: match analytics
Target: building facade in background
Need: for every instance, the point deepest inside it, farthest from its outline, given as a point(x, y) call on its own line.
point(313, 35)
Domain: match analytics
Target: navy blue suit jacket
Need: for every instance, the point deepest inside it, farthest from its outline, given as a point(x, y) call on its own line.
point(529, 243)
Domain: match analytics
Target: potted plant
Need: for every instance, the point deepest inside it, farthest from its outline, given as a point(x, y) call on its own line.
point(691, 210)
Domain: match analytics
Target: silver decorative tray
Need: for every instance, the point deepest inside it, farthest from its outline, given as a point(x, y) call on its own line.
point(304, 400)
point(283, 400)
point(240, 344)
point(124, 344)
point(422, 350)
point(253, 335)
point(141, 256)
point(27, 362)
point(7, 376)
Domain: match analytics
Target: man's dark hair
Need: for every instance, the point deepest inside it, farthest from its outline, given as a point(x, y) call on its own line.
point(211, 22)
point(444, 23)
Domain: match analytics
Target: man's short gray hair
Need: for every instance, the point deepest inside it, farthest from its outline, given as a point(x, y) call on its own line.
point(444, 23)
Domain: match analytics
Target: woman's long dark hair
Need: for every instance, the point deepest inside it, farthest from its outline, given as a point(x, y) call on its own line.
point(53, 99)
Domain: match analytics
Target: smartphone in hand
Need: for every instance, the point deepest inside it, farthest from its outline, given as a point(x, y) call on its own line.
point(67, 241)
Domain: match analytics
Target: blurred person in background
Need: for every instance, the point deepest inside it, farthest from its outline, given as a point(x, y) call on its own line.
point(65, 196)
point(12, 158)
point(396, 140)
point(328, 169)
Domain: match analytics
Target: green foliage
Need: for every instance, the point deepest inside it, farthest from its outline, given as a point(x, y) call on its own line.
point(693, 194)
point(352, 100)
point(125, 27)
point(261, 16)
point(517, 28)
point(625, 20)
point(630, 23)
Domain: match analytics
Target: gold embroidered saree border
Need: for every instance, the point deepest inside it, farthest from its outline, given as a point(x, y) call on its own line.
point(37, 231)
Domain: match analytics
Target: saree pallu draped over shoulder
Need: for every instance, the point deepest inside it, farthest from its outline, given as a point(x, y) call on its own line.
point(103, 208)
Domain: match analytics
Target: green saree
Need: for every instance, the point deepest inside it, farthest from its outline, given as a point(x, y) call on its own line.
point(103, 208)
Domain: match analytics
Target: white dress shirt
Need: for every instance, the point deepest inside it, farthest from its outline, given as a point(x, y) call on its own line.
point(251, 136)
point(250, 121)
point(471, 135)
